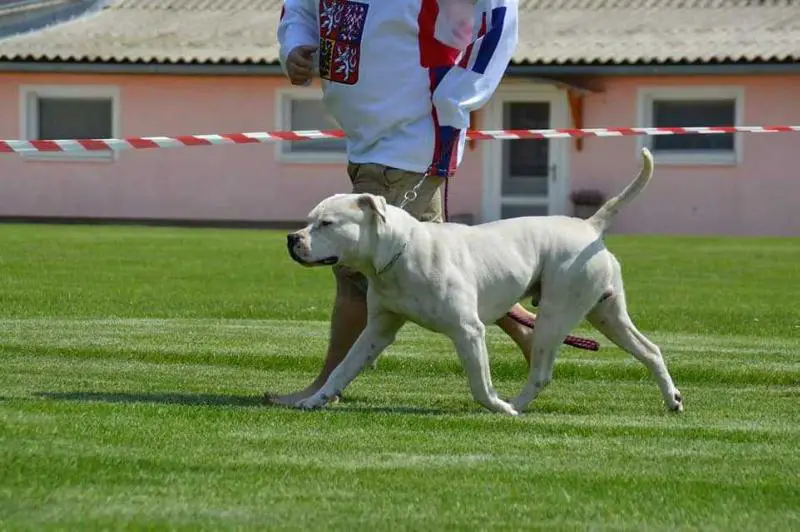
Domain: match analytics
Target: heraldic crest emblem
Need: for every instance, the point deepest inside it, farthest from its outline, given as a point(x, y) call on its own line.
point(341, 26)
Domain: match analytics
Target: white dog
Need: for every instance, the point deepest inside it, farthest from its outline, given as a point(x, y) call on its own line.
point(453, 279)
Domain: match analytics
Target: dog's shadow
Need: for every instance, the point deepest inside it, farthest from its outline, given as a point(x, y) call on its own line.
point(156, 398)
point(227, 400)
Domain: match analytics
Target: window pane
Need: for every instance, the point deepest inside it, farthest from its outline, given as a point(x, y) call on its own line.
point(310, 114)
point(678, 113)
point(530, 157)
point(74, 118)
point(526, 163)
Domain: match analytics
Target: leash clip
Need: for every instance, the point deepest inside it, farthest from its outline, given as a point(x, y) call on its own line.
point(411, 195)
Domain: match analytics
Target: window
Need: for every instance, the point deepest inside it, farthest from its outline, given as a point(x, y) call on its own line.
point(302, 110)
point(692, 106)
point(69, 112)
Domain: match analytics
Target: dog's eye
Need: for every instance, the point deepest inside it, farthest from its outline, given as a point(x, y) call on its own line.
point(325, 223)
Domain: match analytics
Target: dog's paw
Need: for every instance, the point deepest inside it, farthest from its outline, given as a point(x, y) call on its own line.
point(503, 407)
point(518, 404)
point(314, 402)
point(279, 400)
point(308, 404)
point(675, 403)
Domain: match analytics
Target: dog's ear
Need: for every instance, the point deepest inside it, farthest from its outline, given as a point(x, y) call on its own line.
point(376, 204)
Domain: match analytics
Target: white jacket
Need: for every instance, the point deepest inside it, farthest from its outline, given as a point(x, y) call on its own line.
point(402, 76)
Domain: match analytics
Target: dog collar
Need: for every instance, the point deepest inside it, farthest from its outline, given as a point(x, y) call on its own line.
point(393, 260)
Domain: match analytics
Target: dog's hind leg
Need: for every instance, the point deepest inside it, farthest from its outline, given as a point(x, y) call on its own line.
point(470, 344)
point(611, 318)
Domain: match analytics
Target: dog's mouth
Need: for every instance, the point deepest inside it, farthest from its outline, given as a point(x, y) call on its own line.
point(330, 261)
point(327, 261)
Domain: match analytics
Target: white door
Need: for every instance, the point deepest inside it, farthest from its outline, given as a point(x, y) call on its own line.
point(525, 177)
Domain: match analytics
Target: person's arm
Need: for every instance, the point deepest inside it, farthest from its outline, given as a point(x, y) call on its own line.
point(297, 28)
point(469, 85)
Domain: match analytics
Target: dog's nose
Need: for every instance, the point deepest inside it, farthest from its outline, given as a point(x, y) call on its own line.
point(291, 239)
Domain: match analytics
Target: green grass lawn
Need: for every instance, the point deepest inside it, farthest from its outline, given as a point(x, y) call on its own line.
point(133, 361)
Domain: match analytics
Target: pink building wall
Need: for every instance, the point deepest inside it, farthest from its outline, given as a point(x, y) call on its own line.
point(760, 196)
point(220, 182)
point(247, 183)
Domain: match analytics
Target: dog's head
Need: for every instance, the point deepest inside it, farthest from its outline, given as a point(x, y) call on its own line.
point(342, 229)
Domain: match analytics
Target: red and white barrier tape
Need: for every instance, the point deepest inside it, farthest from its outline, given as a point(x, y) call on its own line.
point(138, 143)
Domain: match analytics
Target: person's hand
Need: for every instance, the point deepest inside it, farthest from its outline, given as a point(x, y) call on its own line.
point(300, 64)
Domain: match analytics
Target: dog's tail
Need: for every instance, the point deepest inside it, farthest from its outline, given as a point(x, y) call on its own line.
point(602, 218)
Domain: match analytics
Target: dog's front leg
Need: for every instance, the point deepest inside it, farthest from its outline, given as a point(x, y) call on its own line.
point(470, 343)
point(379, 334)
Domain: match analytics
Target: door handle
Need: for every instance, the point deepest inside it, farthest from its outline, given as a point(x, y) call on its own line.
point(553, 173)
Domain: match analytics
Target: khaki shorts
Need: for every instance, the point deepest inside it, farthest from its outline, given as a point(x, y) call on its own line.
point(392, 184)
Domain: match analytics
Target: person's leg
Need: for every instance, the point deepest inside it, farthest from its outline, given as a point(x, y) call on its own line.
point(521, 334)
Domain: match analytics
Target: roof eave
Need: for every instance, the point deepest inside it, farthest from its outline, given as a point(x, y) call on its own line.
point(657, 69)
point(125, 67)
point(515, 69)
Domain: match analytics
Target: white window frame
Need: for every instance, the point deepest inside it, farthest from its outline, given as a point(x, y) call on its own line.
point(283, 121)
point(28, 96)
point(647, 95)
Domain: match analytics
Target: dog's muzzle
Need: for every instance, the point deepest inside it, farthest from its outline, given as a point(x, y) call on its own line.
point(292, 240)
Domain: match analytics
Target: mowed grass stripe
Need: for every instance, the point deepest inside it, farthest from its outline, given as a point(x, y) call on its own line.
point(262, 344)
